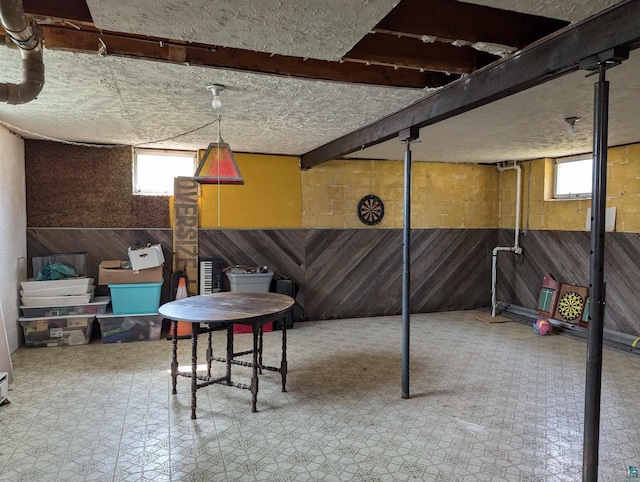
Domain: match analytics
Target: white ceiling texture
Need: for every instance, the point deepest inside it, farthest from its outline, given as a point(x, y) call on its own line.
point(106, 99)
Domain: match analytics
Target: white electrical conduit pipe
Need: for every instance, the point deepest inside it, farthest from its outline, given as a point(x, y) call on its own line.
point(516, 247)
point(24, 35)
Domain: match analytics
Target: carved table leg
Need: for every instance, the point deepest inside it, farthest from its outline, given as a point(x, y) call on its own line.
point(229, 351)
point(209, 355)
point(174, 357)
point(194, 367)
point(261, 330)
point(254, 376)
point(283, 362)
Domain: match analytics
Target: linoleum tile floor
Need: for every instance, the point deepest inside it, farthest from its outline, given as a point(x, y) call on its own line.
point(489, 402)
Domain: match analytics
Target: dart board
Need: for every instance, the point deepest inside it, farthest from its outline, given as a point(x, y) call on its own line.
point(370, 209)
point(570, 305)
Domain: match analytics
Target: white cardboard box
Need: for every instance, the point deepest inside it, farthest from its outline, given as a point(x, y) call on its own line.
point(147, 257)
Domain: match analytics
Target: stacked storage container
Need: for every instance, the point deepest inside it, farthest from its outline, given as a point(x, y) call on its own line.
point(59, 310)
point(135, 288)
point(253, 280)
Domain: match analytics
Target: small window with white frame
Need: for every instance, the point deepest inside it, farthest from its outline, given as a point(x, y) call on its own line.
point(573, 177)
point(155, 169)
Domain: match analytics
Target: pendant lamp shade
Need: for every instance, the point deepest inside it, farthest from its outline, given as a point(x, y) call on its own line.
point(218, 166)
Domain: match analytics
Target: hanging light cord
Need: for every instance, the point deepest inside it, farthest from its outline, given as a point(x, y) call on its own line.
point(218, 163)
point(107, 146)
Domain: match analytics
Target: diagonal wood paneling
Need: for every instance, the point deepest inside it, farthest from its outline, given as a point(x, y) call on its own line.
point(341, 273)
point(281, 250)
point(451, 269)
point(357, 272)
point(565, 254)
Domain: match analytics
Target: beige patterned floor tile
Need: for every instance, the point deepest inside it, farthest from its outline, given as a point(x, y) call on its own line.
point(502, 412)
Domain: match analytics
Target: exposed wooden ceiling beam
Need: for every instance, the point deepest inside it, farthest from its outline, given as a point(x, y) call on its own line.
point(60, 38)
point(557, 55)
point(453, 20)
point(73, 10)
point(414, 53)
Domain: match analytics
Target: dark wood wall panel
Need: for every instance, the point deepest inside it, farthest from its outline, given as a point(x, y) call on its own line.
point(451, 269)
point(340, 273)
point(353, 272)
point(281, 250)
point(101, 244)
point(357, 272)
point(73, 186)
point(565, 254)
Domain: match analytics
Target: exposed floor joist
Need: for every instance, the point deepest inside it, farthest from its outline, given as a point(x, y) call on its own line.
point(414, 53)
point(86, 41)
point(555, 56)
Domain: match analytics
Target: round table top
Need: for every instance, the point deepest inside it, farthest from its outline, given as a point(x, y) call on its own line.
point(227, 306)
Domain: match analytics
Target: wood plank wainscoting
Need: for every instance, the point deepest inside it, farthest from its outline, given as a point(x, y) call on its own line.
point(565, 254)
point(341, 273)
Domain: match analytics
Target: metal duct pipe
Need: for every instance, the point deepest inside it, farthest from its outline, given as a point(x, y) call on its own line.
point(24, 35)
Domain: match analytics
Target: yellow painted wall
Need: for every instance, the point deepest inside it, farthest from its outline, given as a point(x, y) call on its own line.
point(538, 212)
point(270, 198)
point(443, 195)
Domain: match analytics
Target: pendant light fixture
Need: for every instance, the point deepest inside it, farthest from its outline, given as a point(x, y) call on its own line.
point(218, 166)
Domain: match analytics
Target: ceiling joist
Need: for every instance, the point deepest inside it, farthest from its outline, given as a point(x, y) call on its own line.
point(405, 60)
point(140, 47)
point(557, 55)
point(414, 53)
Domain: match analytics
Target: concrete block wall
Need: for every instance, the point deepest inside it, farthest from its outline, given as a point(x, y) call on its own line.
point(443, 195)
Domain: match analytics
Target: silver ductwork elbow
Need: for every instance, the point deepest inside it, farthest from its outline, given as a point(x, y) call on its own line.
point(24, 35)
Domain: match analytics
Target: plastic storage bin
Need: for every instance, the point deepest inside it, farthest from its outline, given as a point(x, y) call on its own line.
point(64, 300)
point(77, 261)
point(62, 287)
point(121, 328)
point(135, 299)
point(99, 306)
point(252, 283)
point(57, 330)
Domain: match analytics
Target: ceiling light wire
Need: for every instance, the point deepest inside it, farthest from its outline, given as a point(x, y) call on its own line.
point(20, 130)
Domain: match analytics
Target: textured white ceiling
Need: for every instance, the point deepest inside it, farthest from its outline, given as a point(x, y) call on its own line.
point(530, 124)
point(319, 29)
point(570, 10)
point(114, 100)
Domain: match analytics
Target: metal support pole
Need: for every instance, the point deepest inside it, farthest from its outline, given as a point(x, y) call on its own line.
point(406, 271)
point(596, 282)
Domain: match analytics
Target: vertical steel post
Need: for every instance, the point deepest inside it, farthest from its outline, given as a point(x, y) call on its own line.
point(596, 281)
point(406, 271)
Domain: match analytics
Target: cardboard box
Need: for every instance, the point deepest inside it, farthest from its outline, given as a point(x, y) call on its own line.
point(147, 257)
point(111, 272)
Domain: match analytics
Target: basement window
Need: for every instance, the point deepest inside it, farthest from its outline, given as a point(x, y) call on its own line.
point(154, 170)
point(573, 177)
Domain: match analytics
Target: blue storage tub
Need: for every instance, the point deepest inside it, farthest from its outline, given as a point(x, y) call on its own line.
point(135, 298)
